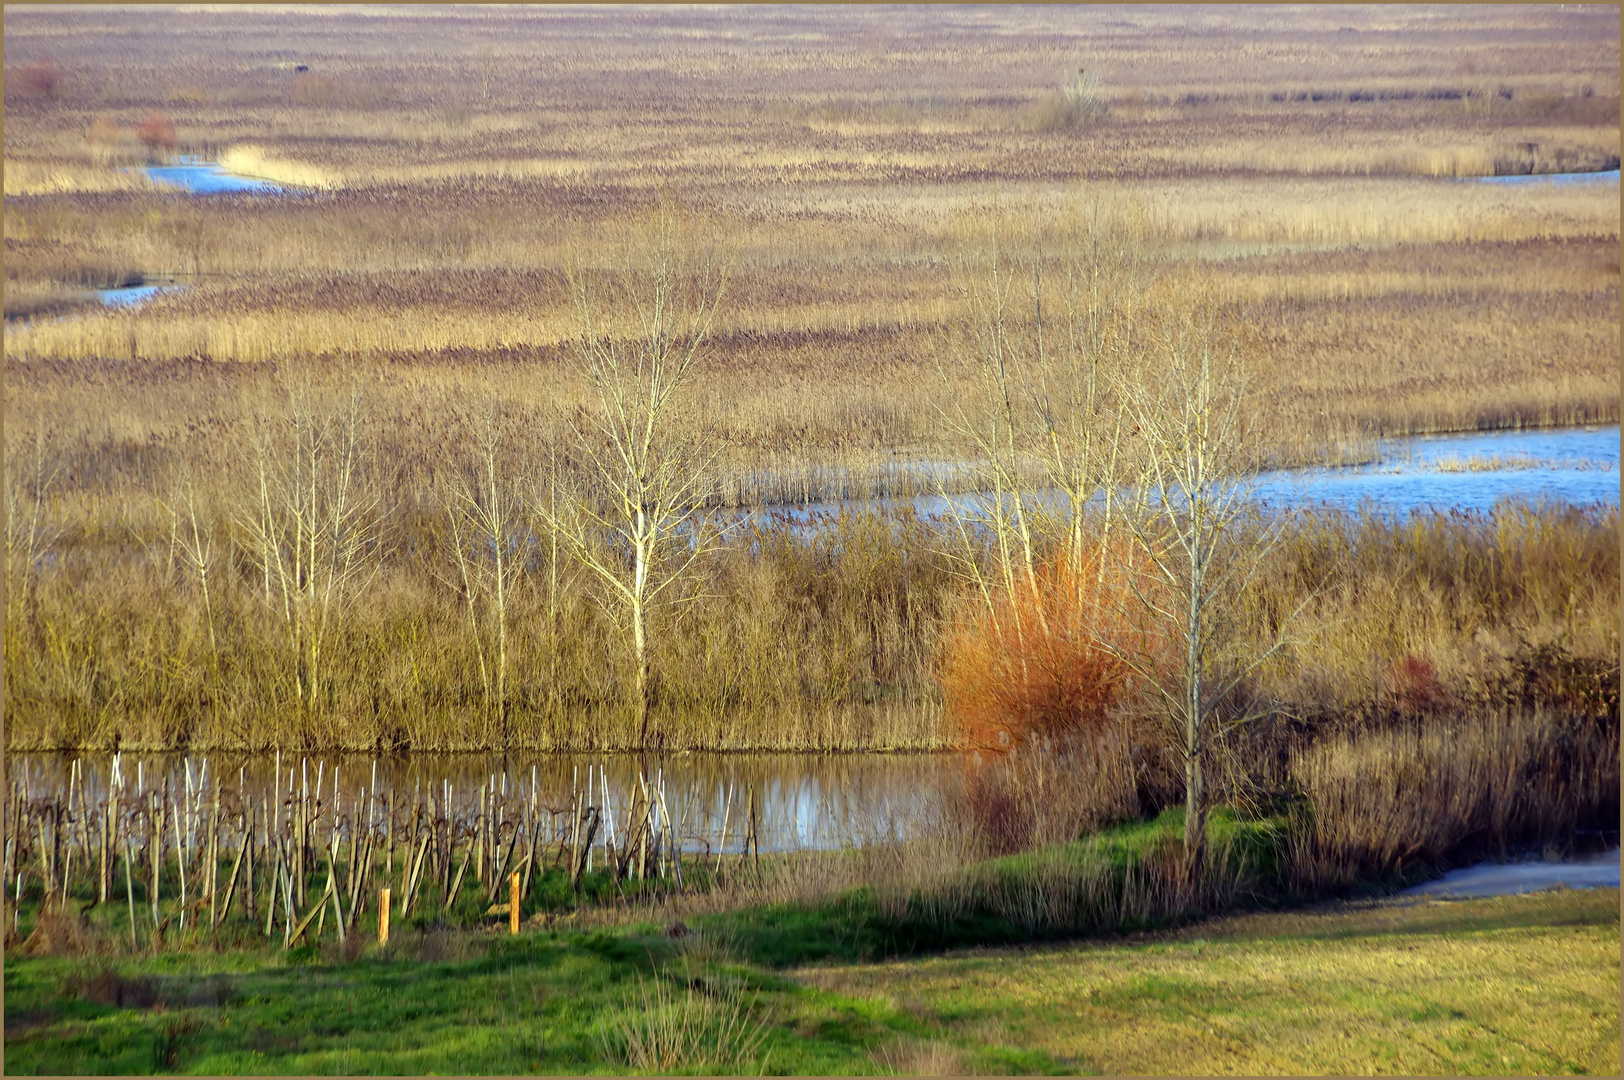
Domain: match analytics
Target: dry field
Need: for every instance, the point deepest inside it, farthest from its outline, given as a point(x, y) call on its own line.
point(454, 159)
point(446, 165)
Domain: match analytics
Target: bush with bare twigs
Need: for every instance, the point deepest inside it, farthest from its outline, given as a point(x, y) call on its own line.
point(157, 131)
point(1046, 661)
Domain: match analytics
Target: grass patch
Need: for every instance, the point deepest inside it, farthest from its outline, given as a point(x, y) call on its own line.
point(546, 1002)
point(1508, 985)
point(1524, 984)
point(1124, 877)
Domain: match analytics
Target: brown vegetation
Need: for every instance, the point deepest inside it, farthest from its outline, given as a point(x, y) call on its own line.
point(157, 132)
point(1443, 787)
point(127, 624)
point(1383, 300)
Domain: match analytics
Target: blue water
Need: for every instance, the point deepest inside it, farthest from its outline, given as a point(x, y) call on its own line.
point(1609, 177)
point(207, 178)
point(131, 295)
point(1572, 465)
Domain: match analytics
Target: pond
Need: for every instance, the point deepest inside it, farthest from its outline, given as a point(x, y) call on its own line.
point(1609, 176)
point(800, 801)
point(129, 296)
point(1464, 472)
point(1468, 472)
point(207, 178)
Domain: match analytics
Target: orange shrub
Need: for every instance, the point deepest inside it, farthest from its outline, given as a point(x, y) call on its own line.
point(1037, 663)
point(158, 132)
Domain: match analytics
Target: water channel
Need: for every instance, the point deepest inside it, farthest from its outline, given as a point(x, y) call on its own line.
point(198, 177)
point(1468, 472)
point(801, 801)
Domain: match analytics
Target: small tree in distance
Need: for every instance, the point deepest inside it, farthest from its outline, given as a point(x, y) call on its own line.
point(40, 78)
point(157, 131)
point(642, 325)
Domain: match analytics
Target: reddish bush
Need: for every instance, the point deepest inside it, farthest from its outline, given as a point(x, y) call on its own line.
point(1413, 683)
point(1036, 663)
point(158, 132)
point(40, 78)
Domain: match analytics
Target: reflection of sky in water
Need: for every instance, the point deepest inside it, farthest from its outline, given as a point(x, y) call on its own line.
point(206, 178)
point(131, 295)
point(1577, 465)
point(1605, 177)
point(804, 801)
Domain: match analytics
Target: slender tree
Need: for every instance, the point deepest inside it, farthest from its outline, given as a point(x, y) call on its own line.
point(489, 549)
point(312, 523)
point(1202, 535)
point(631, 519)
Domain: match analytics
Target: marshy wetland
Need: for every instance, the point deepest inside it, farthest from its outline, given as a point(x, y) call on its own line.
point(919, 541)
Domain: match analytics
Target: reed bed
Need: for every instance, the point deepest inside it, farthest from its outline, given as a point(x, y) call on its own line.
point(1445, 787)
point(131, 622)
point(451, 194)
point(185, 856)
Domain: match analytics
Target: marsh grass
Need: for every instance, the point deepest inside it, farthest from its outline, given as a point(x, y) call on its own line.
point(680, 1028)
point(1445, 788)
point(795, 637)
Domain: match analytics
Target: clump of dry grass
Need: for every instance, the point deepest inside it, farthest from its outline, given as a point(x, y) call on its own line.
point(669, 1028)
point(1447, 786)
point(921, 1057)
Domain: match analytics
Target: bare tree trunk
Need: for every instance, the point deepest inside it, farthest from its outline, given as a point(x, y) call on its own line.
point(642, 331)
point(641, 690)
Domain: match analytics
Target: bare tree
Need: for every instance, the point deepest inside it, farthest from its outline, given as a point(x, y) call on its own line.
point(998, 355)
point(642, 325)
point(489, 549)
point(192, 544)
point(32, 525)
point(311, 523)
point(1200, 531)
point(1049, 318)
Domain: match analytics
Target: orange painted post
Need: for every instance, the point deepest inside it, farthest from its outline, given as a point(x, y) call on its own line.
point(383, 918)
point(513, 903)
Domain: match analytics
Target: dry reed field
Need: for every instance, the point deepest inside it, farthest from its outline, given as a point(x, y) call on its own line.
point(447, 172)
point(401, 322)
point(453, 160)
point(681, 387)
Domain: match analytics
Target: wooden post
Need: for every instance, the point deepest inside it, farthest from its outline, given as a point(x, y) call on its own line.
point(383, 918)
point(513, 903)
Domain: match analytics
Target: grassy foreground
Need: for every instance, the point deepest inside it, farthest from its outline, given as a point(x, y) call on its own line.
point(1506, 985)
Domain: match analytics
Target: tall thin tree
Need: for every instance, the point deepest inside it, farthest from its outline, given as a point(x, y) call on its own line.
point(643, 323)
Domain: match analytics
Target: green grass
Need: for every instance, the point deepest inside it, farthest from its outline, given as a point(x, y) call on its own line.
point(1516, 984)
point(1507, 985)
point(544, 1002)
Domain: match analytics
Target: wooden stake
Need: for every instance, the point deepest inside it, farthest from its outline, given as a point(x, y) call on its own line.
point(383, 917)
point(129, 891)
point(513, 903)
point(218, 912)
point(456, 882)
